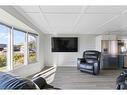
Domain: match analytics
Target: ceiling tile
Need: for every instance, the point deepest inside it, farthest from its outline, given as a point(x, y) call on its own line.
point(112, 25)
point(30, 9)
point(60, 20)
point(106, 9)
point(63, 30)
point(62, 9)
point(90, 22)
point(39, 21)
point(62, 23)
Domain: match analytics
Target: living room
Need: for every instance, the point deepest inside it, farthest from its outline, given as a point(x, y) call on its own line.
point(70, 47)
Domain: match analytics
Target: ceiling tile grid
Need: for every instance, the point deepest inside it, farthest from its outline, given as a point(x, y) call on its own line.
point(76, 19)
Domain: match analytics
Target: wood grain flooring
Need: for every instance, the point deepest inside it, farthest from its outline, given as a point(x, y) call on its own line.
point(71, 78)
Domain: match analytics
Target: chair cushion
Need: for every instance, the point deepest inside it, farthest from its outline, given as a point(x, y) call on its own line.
point(91, 54)
point(91, 60)
point(87, 66)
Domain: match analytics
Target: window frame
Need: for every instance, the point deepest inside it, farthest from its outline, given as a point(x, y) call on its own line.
point(8, 45)
point(36, 37)
point(10, 65)
point(25, 47)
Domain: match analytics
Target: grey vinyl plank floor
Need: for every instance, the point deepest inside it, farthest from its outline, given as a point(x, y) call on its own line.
point(71, 78)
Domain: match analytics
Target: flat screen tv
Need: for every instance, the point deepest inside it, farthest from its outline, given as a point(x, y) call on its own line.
point(64, 44)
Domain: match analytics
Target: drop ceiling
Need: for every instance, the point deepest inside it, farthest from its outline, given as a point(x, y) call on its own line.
point(76, 19)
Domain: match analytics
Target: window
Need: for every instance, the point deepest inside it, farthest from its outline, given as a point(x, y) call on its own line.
point(32, 45)
point(4, 31)
point(18, 47)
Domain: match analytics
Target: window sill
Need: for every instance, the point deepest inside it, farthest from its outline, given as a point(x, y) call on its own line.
point(20, 67)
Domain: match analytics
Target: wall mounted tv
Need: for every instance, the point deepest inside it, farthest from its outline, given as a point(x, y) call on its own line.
point(64, 44)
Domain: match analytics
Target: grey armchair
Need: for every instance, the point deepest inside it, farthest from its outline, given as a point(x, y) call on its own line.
point(90, 62)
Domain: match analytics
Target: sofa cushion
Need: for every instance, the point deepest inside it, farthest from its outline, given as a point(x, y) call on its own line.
point(41, 83)
point(8, 81)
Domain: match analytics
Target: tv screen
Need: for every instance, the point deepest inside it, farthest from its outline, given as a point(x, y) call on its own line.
point(64, 44)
